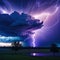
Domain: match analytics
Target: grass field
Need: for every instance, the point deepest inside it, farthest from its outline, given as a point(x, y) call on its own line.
point(22, 57)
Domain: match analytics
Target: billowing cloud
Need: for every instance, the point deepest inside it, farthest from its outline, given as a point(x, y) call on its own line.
point(17, 24)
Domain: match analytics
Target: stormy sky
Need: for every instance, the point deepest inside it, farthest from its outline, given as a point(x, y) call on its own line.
point(47, 11)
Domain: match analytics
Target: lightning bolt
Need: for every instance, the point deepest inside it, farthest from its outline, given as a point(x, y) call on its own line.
point(43, 16)
point(33, 41)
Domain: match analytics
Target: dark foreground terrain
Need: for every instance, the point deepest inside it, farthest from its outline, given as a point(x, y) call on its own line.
point(22, 57)
point(28, 54)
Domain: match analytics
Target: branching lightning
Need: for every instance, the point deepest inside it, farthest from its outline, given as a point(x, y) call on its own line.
point(44, 16)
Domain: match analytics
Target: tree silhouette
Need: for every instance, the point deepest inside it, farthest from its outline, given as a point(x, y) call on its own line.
point(16, 46)
point(54, 49)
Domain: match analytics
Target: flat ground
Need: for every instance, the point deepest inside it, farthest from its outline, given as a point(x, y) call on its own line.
point(9, 54)
point(22, 57)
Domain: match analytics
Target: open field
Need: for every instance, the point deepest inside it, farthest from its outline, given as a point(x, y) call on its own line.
point(24, 54)
point(22, 57)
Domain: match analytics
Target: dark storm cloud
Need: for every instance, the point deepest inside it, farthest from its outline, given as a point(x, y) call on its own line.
point(16, 23)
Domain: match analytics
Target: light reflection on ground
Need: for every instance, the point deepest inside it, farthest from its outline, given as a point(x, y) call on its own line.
point(45, 54)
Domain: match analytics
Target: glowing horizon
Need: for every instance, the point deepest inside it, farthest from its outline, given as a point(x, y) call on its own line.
point(5, 44)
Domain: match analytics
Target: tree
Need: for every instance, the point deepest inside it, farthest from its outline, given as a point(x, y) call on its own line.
point(16, 46)
point(54, 49)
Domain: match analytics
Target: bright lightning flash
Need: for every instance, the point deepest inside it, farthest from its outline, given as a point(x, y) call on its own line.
point(43, 16)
